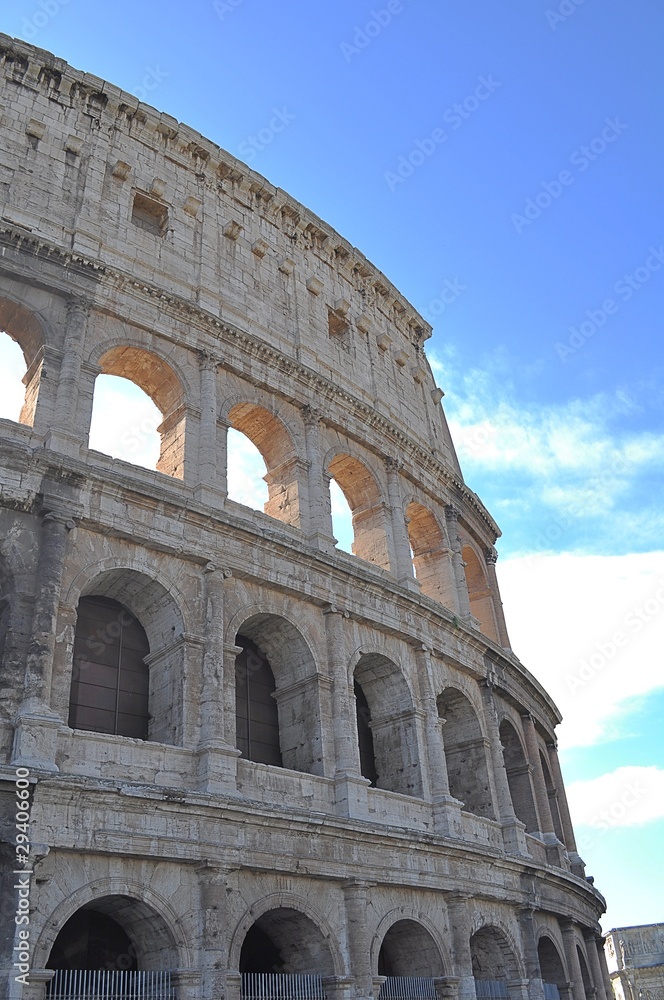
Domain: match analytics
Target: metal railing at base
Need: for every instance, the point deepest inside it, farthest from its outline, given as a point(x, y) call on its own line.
point(279, 986)
point(407, 988)
point(491, 989)
point(103, 984)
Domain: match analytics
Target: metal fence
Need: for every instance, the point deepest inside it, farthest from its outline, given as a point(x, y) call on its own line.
point(487, 989)
point(88, 984)
point(407, 988)
point(277, 986)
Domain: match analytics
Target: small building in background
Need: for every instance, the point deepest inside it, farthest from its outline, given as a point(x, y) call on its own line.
point(635, 957)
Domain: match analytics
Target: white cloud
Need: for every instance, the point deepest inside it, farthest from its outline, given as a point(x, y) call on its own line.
point(629, 796)
point(591, 629)
point(124, 422)
point(246, 469)
point(12, 370)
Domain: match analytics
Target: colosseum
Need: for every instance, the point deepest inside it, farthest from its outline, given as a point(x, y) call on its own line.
point(249, 764)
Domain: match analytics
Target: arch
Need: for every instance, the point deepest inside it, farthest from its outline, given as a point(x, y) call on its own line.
point(256, 713)
point(156, 610)
point(480, 594)
point(110, 678)
point(552, 794)
point(494, 958)
point(305, 943)
point(370, 525)
point(585, 974)
point(409, 947)
point(158, 380)
point(392, 723)
point(552, 969)
point(23, 327)
point(465, 753)
point(147, 917)
point(296, 689)
point(518, 776)
point(430, 554)
point(286, 474)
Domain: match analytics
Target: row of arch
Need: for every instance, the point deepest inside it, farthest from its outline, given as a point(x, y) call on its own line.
point(414, 540)
point(284, 936)
point(126, 672)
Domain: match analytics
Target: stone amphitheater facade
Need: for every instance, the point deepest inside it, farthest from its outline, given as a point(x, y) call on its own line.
point(350, 840)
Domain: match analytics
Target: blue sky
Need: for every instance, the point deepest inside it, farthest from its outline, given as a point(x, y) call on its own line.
point(502, 164)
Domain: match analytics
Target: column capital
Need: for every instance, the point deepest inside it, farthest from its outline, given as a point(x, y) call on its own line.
point(62, 516)
point(312, 416)
point(332, 609)
point(491, 555)
point(393, 464)
point(207, 360)
point(212, 567)
point(452, 512)
point(78, 307)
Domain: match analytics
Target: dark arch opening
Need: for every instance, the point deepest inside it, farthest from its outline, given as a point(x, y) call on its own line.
point(551, 967)
point(493, 962)
point(285, 941)
point(465, 753)
point(585, 975)
point(409, 950)
point(110, 679)
point(365, 737)
point(92, 940)
point(518, 776)
point(256, 713)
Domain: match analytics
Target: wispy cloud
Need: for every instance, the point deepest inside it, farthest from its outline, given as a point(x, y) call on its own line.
point(628, 796)
point(590, 629)
point(567, 463)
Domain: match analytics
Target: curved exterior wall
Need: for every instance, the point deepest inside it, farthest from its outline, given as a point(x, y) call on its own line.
point(133, 246)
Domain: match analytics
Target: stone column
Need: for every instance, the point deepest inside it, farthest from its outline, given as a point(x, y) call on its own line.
point(320, 513)
point(66, 434)
point(513, 829)
point(541, 796)
point(403, 566)
point(606, 978)
point(446, 809)
point(356, 901)
point(350, 786)
point(452, 518)
point(578, 866)
point(207, 440)
point(573, 964)
point(531, 958)
point(459, 923)
point(213, 887)
point(38, 980)
point(595, 968)
point(217, 760)
point(491, 555)
point(37, 723)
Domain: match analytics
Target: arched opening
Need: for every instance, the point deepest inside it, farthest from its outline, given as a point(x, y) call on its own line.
point(552, 795)
point(585, 975)
point(119, 612)
point(21, 361)
point(135, 438)
point(494, 964)
point(272, 643)
point(465, 753)
point(246, 471)
point(409, 950)
point(284, 474)
point(124, 422)
point(518, 776)
point(121, 943)
point(369, 520)
point(342, 518)
point(430, 554)
point(256, 716)
point(110, 679)
point(364, 736)
point(551, 969)
point(284, 941)
point(391, 718)
point(12, 373)
point(479, 593)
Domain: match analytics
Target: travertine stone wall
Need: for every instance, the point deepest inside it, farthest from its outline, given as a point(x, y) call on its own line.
point(132, 246)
